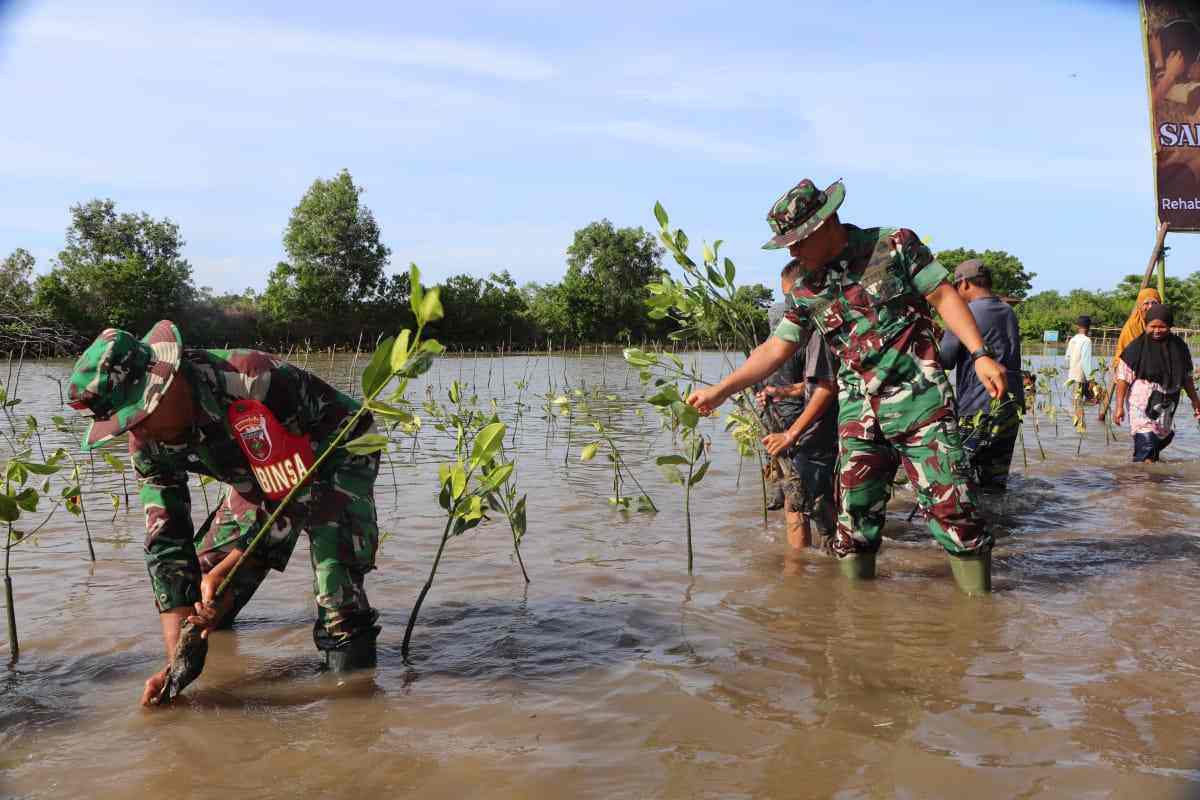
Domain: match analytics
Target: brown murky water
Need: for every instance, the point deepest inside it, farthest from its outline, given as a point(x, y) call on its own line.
point(614, 674)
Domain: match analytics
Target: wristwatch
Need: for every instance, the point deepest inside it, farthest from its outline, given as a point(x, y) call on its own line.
point(983, 352)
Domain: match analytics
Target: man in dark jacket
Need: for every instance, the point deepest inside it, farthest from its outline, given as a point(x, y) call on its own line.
point(989, 428)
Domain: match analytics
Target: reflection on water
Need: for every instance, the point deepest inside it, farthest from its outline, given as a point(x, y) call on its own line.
point(614, 674)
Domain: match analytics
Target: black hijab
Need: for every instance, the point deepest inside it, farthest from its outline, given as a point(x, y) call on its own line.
point(1166, 361)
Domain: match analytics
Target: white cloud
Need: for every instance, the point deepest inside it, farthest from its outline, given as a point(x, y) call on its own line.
point(191, 35)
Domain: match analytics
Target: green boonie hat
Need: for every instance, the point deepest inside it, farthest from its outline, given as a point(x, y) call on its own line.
point(801, 211)
point(121, 380)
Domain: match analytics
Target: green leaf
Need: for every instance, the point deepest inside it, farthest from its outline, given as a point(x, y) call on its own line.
point(517, 520)
point(114, 462)
point(431, 306)
point(636, 357)
point(589, 452)
point(9, 511)
point(390, 412)
point(687, 415)
point(715, 278)
point(28, 499)
point(379, 368)
point(488, 442)
point(681, 242)
point(496, 478)
point(666, 396)
point(39, 469)
point(699, 474)
point(458, 481)
point(367, 444)
point(671, 459)
point(115, 500)
point(399, 353)
point(671, 473)
point(709, 255)
point(416, 293)
point(660, 214)
point(730, 271)
point(645, 504)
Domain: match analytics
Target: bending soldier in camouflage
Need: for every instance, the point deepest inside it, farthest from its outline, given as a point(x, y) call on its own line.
point(175, 405)
point(868, 293)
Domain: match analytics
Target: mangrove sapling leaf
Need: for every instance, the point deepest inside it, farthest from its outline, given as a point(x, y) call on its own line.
point(367, 444)
point(700, 473)
point(589, 451)
point(379, 369)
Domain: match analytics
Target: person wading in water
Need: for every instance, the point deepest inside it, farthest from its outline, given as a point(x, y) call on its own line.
point(990, 442)
point(868, 292)
point(805, 397)
point(252, 422)
point(1151, 372)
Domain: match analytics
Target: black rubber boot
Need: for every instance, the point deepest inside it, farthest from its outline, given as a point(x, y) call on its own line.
point(358, 653)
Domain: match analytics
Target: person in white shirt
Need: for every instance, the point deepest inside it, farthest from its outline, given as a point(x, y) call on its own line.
point(1079, 358)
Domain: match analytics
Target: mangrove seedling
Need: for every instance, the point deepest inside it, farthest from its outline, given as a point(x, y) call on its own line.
point(467, 486)
point(17, 497)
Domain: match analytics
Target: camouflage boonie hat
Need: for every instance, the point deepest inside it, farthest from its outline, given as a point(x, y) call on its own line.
point(801, 211)
point(121, 380)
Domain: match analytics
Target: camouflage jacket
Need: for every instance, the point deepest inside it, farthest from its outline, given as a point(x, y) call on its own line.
point(869, 304)
point(302, 402)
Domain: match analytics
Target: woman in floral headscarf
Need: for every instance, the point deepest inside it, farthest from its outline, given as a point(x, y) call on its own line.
point(1151, 373)
point(1134, 327)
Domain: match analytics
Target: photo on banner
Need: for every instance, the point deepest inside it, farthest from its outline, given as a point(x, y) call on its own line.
point(1172, 44)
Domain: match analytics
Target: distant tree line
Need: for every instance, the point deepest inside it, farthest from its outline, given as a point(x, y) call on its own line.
point(128, 270)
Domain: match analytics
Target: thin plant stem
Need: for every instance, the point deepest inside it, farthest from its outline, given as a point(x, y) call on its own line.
point(416, 609)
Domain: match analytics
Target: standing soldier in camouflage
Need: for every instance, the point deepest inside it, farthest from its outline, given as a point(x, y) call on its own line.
point(178, 408)
point(868, 292)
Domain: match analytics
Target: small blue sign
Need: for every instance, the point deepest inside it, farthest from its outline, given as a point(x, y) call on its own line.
point(1050, 336)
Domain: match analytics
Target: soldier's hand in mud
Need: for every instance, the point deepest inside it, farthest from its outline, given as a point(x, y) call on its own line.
point(706, 400)
point(776, 443)
point(993, 377)
point(209, 614)
point(154, 687)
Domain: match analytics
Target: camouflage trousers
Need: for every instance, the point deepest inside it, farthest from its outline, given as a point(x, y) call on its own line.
point(338, 512)
point(911, 425)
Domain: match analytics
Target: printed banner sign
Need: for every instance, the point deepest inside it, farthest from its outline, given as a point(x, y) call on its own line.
point(1172, 45)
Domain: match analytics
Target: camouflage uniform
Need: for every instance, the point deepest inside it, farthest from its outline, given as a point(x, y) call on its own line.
point(895, 400)
point(337, 507)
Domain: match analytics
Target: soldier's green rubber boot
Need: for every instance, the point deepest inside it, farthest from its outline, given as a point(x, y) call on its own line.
point(973, 572)
point(860, 566)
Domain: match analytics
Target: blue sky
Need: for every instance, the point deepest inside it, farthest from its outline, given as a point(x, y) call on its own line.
point(486, 133)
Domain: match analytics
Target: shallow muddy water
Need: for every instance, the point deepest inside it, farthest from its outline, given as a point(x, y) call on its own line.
point(614, 673)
